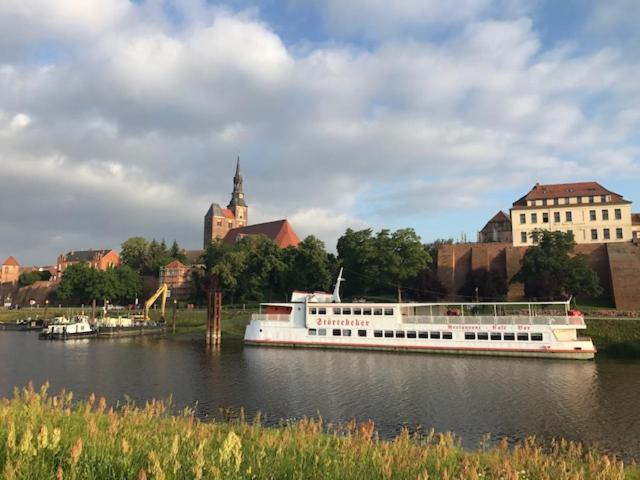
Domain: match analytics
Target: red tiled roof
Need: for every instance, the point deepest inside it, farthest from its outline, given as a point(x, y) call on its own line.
point(635, 219)
point(228, 213)
point(11, 261)
point(175, 264)
point(560, 190)
point(280, 231)
point(500, 217)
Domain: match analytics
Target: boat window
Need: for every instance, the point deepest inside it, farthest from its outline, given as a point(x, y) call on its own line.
point(313, 331)
point(447, 335)
point(483, 336)
point(363, 333)
point(523, 337)
point(377, 333)
point(322, 331)
point(336, 311)
point(496, 336)
point(469, 335)
point(313, 311)
point(377, 311)
point(400, 334)
point(388, 334)
point(435, 335)
point(357, 311)
point(366, 311)
point(423, 334)
point(337, 332)
point(346, 333)
point(346, 311)
point(388, 311)
point(411, 334)
point(509, 336)
point(322, 311)
point(536, 337)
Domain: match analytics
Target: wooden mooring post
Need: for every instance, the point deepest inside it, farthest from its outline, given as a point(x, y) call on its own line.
point(214, 317)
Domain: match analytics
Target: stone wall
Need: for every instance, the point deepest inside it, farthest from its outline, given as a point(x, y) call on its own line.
point(618, 277)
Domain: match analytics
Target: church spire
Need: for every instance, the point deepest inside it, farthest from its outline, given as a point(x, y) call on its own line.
point(237, 196)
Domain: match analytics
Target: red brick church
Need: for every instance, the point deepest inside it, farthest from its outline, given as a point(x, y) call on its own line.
point(232, 223)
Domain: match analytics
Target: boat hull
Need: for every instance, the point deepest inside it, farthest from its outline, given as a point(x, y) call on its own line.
point(558, 354)
point(134, 331)
point(68, 336)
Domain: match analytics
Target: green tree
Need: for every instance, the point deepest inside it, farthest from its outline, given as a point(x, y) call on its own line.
point(401, 256)
point(28, 278)
point(134, 253)
point(177, 253)
point(485, 285)
point(157, 256)
point(549, 270)
point(80, 283)
point(307, 266)
point(129, 284)
point(358, 256)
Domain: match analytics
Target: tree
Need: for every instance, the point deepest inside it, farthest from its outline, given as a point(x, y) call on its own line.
point(134, 253)
point(177, 253)
point(550, 271)
point(307, 266)
point(29, 278)
point(357, 255)
point(401, 256)
point(484, 285)
point(81, 284)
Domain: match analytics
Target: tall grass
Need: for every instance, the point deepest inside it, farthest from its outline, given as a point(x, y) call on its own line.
point(46, 436)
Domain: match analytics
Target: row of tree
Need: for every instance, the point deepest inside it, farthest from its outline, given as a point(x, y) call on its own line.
point(378, 265)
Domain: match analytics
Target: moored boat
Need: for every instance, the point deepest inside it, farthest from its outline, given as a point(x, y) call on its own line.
point(126, 326)
point(63, 329)
point(524, 329)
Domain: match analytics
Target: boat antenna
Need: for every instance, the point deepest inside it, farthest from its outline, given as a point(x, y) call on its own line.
point(335, 298)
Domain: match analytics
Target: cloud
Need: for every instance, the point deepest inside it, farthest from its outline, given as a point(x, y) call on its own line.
point(131, 123)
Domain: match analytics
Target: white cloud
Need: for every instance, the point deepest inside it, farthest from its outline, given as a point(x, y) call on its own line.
point(138, 122)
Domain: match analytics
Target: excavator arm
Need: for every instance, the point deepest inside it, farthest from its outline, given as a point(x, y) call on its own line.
point(147, 305)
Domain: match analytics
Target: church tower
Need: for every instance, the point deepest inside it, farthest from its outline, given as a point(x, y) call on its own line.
point(237, 204)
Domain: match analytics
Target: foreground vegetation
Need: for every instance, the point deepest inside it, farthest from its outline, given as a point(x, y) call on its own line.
point(43, 436)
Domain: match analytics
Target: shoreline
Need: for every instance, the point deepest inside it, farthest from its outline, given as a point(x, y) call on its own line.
point(44, 435)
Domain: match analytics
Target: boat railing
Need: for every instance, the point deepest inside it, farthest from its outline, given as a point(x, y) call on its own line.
point(493, 320)
point(270, 317)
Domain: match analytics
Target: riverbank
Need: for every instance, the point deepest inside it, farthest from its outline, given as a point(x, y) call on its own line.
point(43, 436)
point(616, 336)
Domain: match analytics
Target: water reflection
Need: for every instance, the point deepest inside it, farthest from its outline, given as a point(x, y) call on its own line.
point(595, 402)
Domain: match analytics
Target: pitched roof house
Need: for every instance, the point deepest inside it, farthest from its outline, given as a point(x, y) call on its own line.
point(280, 231)
point(10, 270)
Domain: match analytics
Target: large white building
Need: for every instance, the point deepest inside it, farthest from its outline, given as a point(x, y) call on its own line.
point(588, 210)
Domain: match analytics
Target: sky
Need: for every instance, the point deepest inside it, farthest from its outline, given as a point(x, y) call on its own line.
point(122, 118)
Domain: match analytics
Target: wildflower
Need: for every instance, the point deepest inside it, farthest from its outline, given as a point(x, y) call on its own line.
point(76, 451)
point(142, 474)
point(55, 439)
point(43, 437)
point(231, 451)
point(25, 443)
point(125, 447)
point(59, 474)
point(11, 437)
point(155, 466)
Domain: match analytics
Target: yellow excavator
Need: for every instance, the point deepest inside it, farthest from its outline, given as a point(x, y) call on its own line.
point(147, 305)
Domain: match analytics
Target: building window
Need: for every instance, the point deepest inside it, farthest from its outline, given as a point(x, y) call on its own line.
point(483, 336)
point(606, 234)
point(411, 334)
point(556, 201)
point(346, 333)
point(377, 311)
point(592, 215)
point(219, 223)
point(536, 337)
point(523, 237)
point(346, 311)
point(605, 214)
point(313, 331)
point(496, 336)
point(523, 218)
point(619, 233)
point(366, 311)
point(388, 334)
point(377, 333)
point(230, 224)
point(322, 311)
point(567, 200)
point(618, 214)
point(544, 202)
point(594, 234)
point(591, 199)
point(388, 311)
point(337, 332)
point(545, 218)
point(322, 331)
point(534, 237)
point(469, 335)
point(400, 334)
point(534, 218)
point(523, 337)
point(357, 311)
point(423, 334)
point(568, 217)
point(447, 335)
point(509, 336)
point(336, 311)
point(435, 335)
point(362, 333)
point(556, 217)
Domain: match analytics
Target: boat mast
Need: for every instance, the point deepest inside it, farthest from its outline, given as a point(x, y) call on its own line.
point(335, 298)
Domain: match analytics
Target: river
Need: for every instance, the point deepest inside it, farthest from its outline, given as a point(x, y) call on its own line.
point(596, 402)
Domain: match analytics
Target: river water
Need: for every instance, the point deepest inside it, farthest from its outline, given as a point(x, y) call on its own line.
point(596, 402)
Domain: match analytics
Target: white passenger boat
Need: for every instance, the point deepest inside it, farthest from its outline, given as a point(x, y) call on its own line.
point(524, 329)
point(62, 329)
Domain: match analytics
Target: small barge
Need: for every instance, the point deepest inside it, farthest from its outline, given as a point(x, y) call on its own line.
point(127, 327)
point(64, 329)
point(522, 329)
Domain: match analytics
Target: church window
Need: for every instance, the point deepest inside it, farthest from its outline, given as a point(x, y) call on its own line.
point(219, 223)
point(230, 224)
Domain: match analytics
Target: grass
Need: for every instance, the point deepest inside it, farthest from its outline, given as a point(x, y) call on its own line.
point(619, 337)
point(46, 436)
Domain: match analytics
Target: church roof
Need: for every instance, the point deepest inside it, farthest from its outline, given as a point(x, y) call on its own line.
point(280, 231)
point(215, 210)
point(500, 217)
point(11, 262)
point(85, 255)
